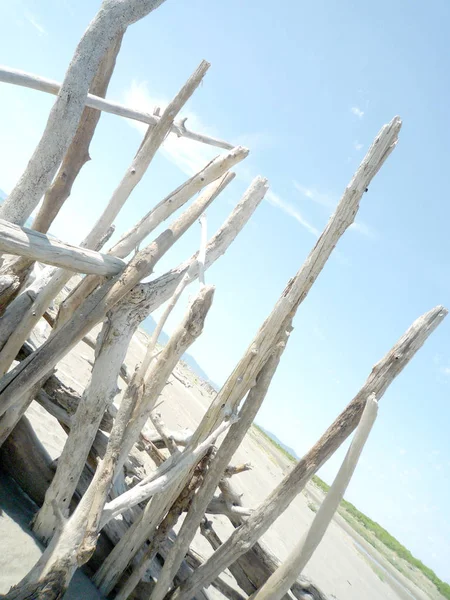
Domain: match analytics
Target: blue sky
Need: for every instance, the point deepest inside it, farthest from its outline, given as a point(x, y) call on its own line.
point(306, 86)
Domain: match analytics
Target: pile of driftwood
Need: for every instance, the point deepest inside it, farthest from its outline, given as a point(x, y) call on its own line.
point(99, 505)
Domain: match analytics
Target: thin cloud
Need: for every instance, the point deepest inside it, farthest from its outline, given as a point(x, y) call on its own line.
point(291, 211)
point(314, 195)
point(445, 371)
point(358, 146)
point(363, 229)
point(357, 112)
point(34, 22)
point(189, 156)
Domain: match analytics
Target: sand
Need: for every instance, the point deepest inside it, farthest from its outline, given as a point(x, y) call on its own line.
point(343, 565)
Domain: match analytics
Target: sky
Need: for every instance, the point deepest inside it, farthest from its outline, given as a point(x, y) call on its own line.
point(305, 86)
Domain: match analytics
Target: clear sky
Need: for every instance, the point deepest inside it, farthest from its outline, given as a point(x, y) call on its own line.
point(306, 86)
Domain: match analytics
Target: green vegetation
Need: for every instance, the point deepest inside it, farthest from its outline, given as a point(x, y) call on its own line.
point(312, 506)
point(388, 540)
point(287, 454)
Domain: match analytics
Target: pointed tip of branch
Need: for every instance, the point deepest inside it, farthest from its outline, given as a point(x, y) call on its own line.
point(240, 151)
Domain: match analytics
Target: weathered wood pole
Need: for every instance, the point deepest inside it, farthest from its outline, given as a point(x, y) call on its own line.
point(285, 576)
point(382, 375)
point(299, 286)
point(78, 152)
point(31, 244)
point(176, 199)
point(152, 141)
point(112, 19)
point(34, 82)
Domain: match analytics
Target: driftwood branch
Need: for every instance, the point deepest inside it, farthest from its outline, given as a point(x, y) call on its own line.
point(285, 576)
point(78, 152)
point(116, 335)
point(145, 155)
point(299, 286)
point(169, 521)
point(16, 77)
point(31, 244)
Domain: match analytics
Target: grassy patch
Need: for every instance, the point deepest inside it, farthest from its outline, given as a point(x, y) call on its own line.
point(385, 538)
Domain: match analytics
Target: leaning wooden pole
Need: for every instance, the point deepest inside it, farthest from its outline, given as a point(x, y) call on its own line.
point(78, 152)
point(276, 503)
point(285, 576)
point(112, 19)
point(299, 286)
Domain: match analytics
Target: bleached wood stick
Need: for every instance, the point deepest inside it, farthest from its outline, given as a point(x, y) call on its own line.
point(78, 152)
point(15, 311)
point(285, 576)
point(298, 287)
point(35, 82)
point(157, 374)
point(118, 330)
point(220, 507)
point(159, 213)
point(15, 383)
point(276, 503)
point(217, 467)
point(144, 156)
point(236, 469)
point(161, 428)
point(28, 320)
point(24, 312)
point(113, 17)
point(26, 242)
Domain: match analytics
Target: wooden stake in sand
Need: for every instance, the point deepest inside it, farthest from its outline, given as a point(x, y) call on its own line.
point(286, 575)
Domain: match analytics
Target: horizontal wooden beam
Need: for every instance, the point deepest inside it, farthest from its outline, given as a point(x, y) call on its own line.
point(49, 86)
point(26, 242)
